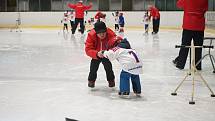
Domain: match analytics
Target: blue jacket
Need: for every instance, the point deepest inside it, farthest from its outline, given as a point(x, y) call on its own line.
point(121, 20)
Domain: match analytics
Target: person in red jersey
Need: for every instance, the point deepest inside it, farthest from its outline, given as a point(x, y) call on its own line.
point(155, 14)
point(193, 28)
point(100, 16)
point(100, 38)
point(79, 14)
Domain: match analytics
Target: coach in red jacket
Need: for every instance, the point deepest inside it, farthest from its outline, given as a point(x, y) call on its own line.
point(98, 39)
point(155, 14)
point(193, 28)
point(79, 14)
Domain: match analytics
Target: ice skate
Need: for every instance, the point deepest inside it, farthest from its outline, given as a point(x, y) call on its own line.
point(91, 84)
point(111, 83)
point(124, 95)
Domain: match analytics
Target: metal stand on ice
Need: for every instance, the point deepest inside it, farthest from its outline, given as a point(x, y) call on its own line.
point(193, 71)
point(209, 53)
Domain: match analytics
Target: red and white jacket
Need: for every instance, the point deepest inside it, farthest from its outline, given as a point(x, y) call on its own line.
point(100, 16)
point(93, 44)
point(79, 9)
point(128, 59)
point(194, 14)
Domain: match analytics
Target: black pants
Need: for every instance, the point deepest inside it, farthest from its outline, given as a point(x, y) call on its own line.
point(65, 27)
point(94, 65)
point(187, 37)
point(117, 27)
point(77, 21)
point(72, 24)
point(156, 24)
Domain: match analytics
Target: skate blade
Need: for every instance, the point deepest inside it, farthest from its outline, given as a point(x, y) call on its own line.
point(92, 89)
point(138, 95)
point(125, 96)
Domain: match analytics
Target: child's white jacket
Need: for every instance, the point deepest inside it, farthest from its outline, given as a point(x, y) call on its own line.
point(128, 59)
point(65, 20)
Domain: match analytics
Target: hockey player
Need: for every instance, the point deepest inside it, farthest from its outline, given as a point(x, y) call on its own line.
point(79, 14)
point(146, 21)
point(116, 19)
point(131, 67)
point(121, 22)
point(65, 21)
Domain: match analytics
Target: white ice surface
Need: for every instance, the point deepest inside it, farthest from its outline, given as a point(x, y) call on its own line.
point(43, 77)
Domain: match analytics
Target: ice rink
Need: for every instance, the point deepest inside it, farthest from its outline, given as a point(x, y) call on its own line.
point(43, 77)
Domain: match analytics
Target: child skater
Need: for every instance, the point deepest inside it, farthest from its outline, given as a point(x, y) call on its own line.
point(121, 22)
point(146, 21)
point(72, 19)
point(131, 67)
point(116, 19)
point(65, 21)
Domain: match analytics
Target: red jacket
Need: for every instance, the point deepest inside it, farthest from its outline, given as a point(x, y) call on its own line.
point(93, 44)
point(99, 15)
point(194, 11)
point(154, 12)
point(79, 9)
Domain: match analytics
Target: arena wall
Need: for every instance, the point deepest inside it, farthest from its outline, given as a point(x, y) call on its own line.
point(171, 19)
point(52, 19)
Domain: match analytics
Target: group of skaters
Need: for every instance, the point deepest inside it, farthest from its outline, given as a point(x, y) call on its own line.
point(69, 17)
point(119, 21)
point(155, 16)
point(78, 16)
point(103, 45)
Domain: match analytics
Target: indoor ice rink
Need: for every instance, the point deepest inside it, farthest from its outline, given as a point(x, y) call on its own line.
point(44, 70)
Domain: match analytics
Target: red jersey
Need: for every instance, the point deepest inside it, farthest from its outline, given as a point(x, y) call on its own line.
point(93, 44)
point(79, 9)
point(99, 15)
point(154, 12)
point(194, 11)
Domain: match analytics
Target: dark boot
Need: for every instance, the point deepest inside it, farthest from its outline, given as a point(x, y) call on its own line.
point(123, 93)
point(91, 84)
point(111, 83)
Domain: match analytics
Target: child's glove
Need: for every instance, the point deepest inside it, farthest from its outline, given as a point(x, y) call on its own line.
point(103, 51)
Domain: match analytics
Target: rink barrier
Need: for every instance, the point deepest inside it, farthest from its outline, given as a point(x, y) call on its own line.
point(51, 20)
point(208, 30)
point(137, 28)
